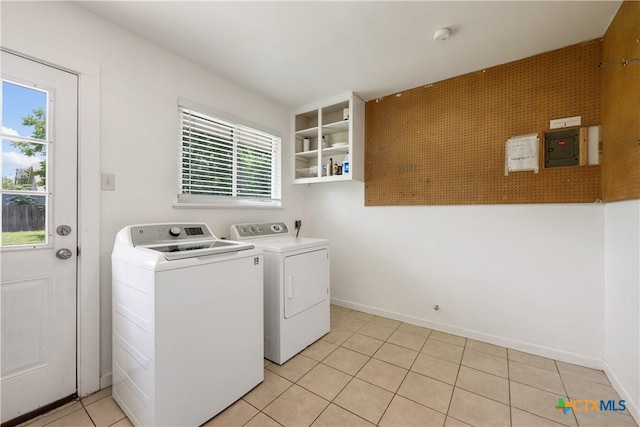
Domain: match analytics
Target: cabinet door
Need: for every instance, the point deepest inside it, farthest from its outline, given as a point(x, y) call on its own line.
point(306, 281)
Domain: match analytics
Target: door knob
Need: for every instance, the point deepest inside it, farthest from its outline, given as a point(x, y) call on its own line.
point(63, 253)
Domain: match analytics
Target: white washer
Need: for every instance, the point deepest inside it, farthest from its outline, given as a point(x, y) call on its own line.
point(296, 287)
point(187, 323)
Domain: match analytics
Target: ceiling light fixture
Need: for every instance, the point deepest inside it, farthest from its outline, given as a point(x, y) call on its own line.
point(441, 34)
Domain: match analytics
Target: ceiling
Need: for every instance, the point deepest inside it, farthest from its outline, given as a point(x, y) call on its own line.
point(301, 52)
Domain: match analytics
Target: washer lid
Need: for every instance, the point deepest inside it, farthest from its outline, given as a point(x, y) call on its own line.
point(287, 243)
point(182, 240)
point(186, 249)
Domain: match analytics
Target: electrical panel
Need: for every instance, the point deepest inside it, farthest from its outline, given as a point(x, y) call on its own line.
point(565, 147)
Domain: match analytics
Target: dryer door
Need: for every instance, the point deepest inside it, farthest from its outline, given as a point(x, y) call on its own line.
point(306, 281)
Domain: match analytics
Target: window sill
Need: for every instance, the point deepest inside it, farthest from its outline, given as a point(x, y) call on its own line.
point(228, 205)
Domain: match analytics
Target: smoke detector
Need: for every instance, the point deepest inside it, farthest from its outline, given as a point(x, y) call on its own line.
point(441, 34)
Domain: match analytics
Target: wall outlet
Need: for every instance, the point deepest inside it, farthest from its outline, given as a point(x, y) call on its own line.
point(109, 181)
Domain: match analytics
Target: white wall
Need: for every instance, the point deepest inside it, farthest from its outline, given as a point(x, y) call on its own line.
point(527, 276)
point(622, 300)
point(140, 85)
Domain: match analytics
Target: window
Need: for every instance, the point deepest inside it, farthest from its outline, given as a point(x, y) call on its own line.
point(227, 163)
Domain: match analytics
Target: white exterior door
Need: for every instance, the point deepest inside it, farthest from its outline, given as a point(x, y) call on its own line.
point(38, 276)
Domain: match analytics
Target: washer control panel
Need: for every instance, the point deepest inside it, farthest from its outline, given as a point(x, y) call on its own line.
point(250, 231)
point(161, 233)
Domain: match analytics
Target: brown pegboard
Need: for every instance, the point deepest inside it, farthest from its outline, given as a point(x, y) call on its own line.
point(444, 144)
point(621, 106)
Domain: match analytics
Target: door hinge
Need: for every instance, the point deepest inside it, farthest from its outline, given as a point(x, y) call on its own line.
point(77, 250)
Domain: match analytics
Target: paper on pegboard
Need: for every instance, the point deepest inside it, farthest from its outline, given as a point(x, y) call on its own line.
point(522, 154)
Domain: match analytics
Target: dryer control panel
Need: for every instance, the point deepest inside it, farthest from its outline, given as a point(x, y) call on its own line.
point(251, 231)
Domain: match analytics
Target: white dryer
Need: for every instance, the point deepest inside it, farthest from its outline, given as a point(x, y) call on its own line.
point(187, 323)
point(296, 287)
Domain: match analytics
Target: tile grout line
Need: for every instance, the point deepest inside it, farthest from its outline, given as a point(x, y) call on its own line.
point(354, 376)
point(258, 413)
point(566, 392)
point(50, 413)
point(403, 378)
point(73, 412)
point(332, 401)
point(459, 368)
point(84, 408)
point(271, 401)
point(455, 386)
point(110, 395)
point(509, 388)
point(481, 395)
point(312, 392)
point(338, 393)
point(541, 416)
point(417, 373)
point(528, 385)
point(537, 388)
point(394, 394)
point(532, 366)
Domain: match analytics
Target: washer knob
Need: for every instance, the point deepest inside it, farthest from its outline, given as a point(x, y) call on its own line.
point(259, 229)
point(174, 231)
point(252, 229)
point(276, 228)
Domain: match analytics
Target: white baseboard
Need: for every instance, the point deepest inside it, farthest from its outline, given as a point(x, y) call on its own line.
point(106, 380)
point(631, 404)
point(552, 353)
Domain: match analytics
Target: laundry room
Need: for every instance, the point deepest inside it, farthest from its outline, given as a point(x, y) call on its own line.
point(423, 149)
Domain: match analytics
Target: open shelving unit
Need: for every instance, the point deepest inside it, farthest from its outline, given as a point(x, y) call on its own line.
point(339, 122)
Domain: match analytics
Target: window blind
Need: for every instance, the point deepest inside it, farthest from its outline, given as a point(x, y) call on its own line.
point(221, 160)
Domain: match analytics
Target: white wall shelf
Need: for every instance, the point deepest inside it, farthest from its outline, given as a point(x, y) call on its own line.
point(336, 127)
point(311, 154)
point(339, 122)
point(307, 133)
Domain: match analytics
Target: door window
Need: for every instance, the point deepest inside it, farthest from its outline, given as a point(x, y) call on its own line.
point(25, 164)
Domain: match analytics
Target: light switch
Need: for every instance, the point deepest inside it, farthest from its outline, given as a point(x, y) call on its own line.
point(109, 181)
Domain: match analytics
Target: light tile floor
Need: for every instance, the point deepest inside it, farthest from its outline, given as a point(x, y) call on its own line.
point(370, 370)
point(99, 410)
